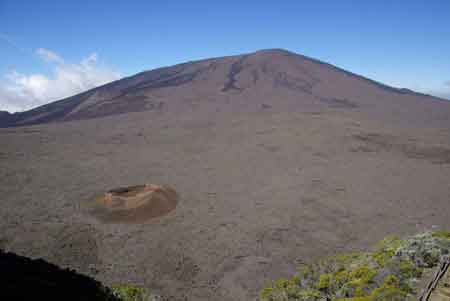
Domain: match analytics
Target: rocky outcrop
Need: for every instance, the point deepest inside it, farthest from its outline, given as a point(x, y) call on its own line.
point(23, 278)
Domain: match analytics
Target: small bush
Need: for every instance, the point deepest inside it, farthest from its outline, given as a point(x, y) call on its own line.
point(442, 234)
point(387, 273)
point(126, 292)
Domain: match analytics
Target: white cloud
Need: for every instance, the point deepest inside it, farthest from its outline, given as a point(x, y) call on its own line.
point(49, 55)
point(21, 91)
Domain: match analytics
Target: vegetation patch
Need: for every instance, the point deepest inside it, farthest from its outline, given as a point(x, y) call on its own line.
point(126, 292)
point(390, 272)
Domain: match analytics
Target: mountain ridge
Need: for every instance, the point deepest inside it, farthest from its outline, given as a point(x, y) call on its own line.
point(210, 78)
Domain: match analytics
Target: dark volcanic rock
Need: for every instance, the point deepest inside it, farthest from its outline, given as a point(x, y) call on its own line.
point(23, 278)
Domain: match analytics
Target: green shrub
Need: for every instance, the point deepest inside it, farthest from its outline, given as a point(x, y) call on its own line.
point(387, 273)
point(126, 292)
point(442, 234)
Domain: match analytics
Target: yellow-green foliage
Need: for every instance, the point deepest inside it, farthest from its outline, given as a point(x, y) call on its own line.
point(324, 282)
point(127, 292)
point(387, 273)
point(386, 249)
point(442, 234)
point(388, 291)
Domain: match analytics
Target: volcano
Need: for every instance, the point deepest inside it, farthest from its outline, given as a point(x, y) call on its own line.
point(263, 79)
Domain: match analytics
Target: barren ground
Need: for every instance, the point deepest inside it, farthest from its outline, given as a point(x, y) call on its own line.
point(259, 192)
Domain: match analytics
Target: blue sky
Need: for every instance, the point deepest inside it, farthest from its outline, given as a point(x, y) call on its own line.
point(400, 43)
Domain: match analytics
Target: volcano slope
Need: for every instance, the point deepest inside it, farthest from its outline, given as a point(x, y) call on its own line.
point(276, 159)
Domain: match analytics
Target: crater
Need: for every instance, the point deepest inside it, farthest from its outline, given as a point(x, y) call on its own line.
point(134, 204)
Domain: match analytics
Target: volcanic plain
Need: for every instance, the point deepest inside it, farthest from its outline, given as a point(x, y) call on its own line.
point(274, 159)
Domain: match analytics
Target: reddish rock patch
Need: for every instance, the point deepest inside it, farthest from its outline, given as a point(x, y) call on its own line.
point(134, 204)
